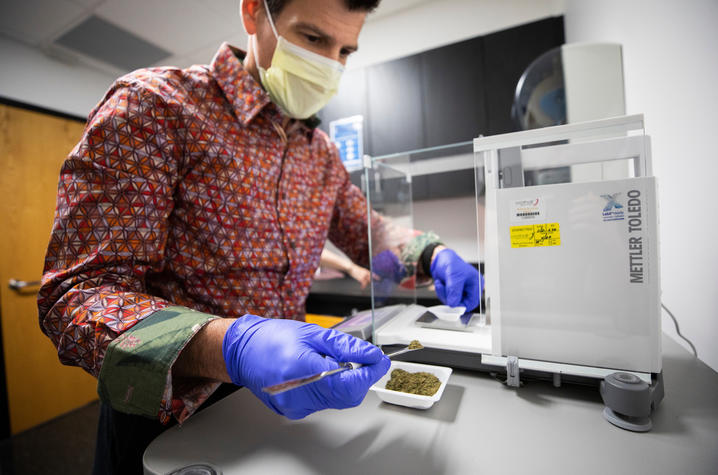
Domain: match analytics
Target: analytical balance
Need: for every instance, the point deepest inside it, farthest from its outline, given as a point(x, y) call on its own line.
point(565, 221)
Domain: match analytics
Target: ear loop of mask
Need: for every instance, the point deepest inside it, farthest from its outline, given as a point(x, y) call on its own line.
point(271, 22)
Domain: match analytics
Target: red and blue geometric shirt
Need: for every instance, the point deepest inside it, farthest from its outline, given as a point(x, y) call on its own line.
point(189, 197)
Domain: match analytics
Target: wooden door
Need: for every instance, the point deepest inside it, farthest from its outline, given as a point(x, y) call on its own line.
point(32, 148)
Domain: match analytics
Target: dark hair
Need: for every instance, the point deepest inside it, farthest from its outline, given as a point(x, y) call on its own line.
point(276, 6)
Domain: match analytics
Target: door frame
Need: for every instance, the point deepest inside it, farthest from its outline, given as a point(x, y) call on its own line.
point(4, 407)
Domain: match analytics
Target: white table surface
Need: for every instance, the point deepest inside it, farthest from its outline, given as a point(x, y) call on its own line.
point(479, 426)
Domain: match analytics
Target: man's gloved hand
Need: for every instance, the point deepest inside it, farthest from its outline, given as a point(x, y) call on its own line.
point(457, 283)
point(259, 352)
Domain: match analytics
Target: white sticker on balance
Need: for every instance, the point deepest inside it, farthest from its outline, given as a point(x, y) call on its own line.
point(528, 209)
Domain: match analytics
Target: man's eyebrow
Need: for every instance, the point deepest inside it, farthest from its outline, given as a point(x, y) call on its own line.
point(322, 34)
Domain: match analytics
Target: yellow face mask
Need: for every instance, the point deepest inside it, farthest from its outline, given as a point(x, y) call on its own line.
point(299, 81)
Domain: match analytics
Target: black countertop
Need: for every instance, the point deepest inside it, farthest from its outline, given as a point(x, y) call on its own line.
point(341, 296)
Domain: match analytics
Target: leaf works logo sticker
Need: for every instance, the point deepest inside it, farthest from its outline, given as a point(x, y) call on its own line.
point(613, 211)
point(531, 209)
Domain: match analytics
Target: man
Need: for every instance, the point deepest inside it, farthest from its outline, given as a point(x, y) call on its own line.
point(191, 218)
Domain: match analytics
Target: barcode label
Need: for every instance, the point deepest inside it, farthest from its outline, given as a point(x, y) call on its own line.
point(528, 209)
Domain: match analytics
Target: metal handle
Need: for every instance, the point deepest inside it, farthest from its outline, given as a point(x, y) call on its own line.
point(295, 383)
point(20, 285)
point(401, 352)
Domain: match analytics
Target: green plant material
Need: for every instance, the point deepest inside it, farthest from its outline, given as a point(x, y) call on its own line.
point(422, 383)
point(415, 345)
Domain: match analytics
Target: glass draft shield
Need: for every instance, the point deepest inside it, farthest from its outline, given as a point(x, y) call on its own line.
point(414, 198)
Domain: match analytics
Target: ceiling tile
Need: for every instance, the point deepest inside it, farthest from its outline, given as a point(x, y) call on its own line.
point(88, 3)
point(386, 7)
point(205, 53)
point(238, 39)
point(178, 26)
point(226, 8)
point(203, 56)
point(174, 61)
point(106, 42)
point(34, 21)
point(390, 7)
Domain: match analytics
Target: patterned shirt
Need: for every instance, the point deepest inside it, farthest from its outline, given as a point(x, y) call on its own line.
point(190, 196)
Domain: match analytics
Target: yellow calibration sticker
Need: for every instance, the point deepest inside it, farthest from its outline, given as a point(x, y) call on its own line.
point(535, 235)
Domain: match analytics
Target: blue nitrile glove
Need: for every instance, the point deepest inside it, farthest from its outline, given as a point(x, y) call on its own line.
point(457, 283)
point(387, 266)
point(260, 352)
point(389, 269)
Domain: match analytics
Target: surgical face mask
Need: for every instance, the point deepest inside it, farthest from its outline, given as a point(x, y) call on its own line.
point(299, 81)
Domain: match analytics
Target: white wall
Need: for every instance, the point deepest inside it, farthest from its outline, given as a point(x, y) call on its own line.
point(441, 22)
point(30, 76)
point(454, 220)
point(671, 75)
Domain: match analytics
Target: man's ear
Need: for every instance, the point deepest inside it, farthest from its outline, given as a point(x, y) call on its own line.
point(250, 10)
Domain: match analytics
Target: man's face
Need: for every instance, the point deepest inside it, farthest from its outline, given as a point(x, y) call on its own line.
point(325, 27)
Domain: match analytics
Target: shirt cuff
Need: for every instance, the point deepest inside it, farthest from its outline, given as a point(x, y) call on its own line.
point(136, 373)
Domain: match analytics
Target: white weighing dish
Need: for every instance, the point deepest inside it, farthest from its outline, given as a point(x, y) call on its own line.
point(449, 314)
point(407, 399)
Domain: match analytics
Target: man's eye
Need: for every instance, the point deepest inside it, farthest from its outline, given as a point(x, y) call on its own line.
point(313, 38)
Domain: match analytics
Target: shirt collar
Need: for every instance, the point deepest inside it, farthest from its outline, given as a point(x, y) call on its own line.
point(241, 89)
point(245, 94)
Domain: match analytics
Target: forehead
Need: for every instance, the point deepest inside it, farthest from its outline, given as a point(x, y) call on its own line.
point(330, 16)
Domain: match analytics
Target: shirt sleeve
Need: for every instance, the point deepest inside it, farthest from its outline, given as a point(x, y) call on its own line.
point(115, 195)
point(349, 230)
point(136, 372)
